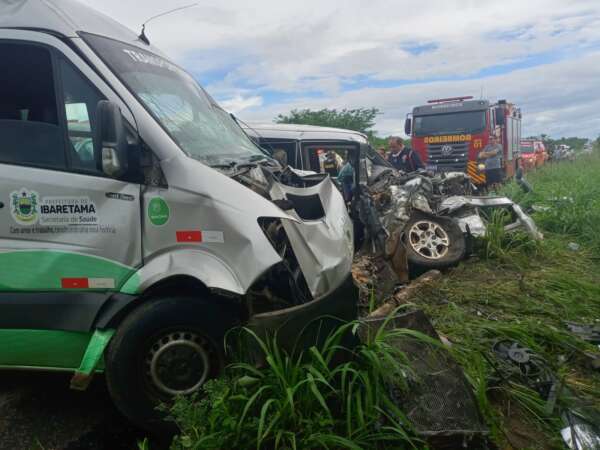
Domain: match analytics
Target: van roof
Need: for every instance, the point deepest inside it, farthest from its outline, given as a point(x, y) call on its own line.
point(66, 18)
point(301, 132)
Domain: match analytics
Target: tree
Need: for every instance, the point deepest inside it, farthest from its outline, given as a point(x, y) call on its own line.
point(359, 119)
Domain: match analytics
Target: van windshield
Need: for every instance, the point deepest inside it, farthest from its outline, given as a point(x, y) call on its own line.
point(200, 127)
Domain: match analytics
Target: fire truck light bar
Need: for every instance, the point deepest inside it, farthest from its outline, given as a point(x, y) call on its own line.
point(452, 99)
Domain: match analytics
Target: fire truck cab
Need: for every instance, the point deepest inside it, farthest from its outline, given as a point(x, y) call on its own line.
point(450, 133)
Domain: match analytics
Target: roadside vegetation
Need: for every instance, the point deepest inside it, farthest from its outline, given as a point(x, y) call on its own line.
point(513, 288)
point(526, 291)
point(303, 400)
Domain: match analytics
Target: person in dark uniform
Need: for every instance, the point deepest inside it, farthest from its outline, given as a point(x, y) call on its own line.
point(330, 165)
point(403, 158)
point(491, 156)
point(346, 178)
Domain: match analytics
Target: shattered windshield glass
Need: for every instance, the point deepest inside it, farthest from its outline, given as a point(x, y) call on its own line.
point(462, 122)
point(200, 127)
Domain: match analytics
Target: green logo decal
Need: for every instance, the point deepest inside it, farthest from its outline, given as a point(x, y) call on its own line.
point(158, 211)
point(24, 206)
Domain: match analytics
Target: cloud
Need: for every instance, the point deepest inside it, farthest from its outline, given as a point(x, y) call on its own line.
point(550, 100)
point(239, 103)
point(389, 54)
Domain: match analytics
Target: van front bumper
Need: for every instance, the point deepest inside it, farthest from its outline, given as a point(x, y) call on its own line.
point(309, 324)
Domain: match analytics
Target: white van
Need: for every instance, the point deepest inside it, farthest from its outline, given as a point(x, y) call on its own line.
point(138, 223)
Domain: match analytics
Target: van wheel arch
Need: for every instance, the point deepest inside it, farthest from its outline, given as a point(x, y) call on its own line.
point(116, 310)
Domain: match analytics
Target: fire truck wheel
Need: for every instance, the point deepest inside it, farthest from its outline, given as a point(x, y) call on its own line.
point(164, 348)
point(433, 242)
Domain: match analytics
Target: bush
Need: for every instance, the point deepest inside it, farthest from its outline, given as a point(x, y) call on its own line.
point(302, 401)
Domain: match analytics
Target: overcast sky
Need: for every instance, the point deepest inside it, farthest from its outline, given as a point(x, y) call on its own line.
point(260, 58)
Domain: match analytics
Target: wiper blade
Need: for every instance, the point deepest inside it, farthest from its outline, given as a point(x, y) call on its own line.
point(248, 165)
point(229, 165)
point(256, 158)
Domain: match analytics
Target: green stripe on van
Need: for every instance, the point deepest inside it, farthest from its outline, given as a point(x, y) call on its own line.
point(43, 270)
point(42, 348)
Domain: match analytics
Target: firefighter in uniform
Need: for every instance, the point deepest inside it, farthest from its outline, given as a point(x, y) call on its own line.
point(330, 165)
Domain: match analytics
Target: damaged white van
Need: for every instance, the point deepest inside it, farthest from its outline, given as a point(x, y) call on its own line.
point(138, 223)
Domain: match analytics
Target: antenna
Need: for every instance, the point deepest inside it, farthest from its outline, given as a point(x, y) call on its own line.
point(142, 37)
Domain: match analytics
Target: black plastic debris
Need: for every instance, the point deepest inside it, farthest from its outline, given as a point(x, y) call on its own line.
point(519, 363)
point(589, 333)
point(439, 401)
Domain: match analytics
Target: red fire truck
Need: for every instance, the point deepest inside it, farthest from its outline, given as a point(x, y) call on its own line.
point(449, 133)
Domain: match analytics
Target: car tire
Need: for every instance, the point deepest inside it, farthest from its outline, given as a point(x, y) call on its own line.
point(165, 347)
point(433, 242)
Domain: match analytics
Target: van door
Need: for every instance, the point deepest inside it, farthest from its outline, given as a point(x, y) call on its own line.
point(69, 235)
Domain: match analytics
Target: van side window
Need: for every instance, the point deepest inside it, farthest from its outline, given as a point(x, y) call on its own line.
point(81, 99)
point(29, 124)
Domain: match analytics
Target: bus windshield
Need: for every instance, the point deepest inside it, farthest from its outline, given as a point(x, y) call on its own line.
point(450, 123)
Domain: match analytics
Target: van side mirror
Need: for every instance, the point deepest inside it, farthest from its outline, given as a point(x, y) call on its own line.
point(112, 139)
point(499, 116)
point(407, 126)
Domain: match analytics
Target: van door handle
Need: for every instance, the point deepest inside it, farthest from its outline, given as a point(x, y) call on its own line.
point(1, 205)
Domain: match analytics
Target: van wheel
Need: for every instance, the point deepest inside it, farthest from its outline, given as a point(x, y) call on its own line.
point(164, 348)
point(433, 242)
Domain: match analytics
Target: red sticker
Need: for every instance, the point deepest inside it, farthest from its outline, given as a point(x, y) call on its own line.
point(189, 236)
point(74, 283)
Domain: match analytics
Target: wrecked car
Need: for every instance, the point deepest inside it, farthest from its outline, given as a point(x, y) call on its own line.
point(419, 218)
point(139, 224)
point(387, 205)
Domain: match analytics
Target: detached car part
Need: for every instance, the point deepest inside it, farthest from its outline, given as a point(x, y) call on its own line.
point(464, 208)
point(439, 400)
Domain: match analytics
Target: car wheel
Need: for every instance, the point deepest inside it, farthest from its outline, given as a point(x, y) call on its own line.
point(433, 242)
point(164, 348)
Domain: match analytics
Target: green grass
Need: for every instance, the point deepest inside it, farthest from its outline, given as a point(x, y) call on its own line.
point(572, 193)
point(515, 288)
point(302, 401)
point(526, 290)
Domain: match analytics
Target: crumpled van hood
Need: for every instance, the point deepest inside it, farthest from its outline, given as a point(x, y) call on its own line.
point(322, 245)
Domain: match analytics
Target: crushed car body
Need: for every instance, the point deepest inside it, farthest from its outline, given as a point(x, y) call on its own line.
point(431, 215)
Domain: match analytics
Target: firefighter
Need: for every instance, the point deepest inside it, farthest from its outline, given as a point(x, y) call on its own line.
point(330, 164)
point(403, 158)
point(491, 155)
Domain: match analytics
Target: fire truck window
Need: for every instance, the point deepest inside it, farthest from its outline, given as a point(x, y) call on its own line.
point(451, 123)
point(29, 125)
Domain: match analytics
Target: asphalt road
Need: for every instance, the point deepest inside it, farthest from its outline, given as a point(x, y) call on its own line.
point(38, 411)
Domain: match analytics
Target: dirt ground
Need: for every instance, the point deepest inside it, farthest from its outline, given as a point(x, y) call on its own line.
point(38, 411)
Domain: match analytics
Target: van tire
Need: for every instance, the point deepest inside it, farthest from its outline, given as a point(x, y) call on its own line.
point(442, 230)
point(166, 344)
